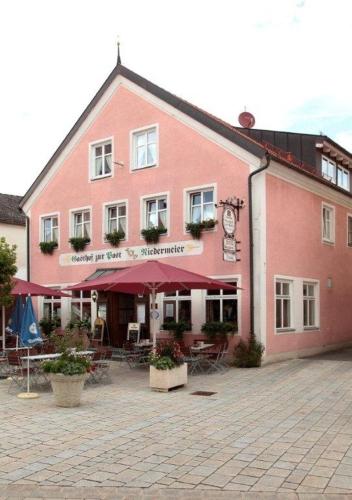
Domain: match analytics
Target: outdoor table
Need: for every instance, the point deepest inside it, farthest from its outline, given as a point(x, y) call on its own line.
point(200, 348)
point(43, 357)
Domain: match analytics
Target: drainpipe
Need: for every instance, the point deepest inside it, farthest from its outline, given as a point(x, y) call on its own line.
point(28, 248)
point(251, 244)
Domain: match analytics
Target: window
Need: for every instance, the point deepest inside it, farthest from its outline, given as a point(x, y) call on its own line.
point(81, 224)
point(328, 224)
point(283, 303)
point(309, 305)
point(335, 173)
point(328, 169)
point(116, 218)
point(343, 178)
point(222, 305)
point(349, 230)
point(144, 145)
point(202, 205)
point(52, 309)
point(177, 306)
point(156, 212)
point(50, 228)
point(101, 159)
point(81, 306)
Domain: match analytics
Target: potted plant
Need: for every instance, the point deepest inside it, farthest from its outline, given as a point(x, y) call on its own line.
point(115, 237)
point(249, 355)
point(177, 328)
point(48, 325)
point(196, 228)
point(67, 375)
point(167, 367)
point(79, 243)
point(48, 247)
point(152, 234)
point(218, 330)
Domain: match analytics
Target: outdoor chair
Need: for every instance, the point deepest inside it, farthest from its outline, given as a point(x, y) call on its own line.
point(193, 362)
point(94, 374)
point(215, 362)
point(4, 364)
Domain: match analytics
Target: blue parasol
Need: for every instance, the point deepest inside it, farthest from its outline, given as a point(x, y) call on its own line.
point(29, 333)
point(15, 321)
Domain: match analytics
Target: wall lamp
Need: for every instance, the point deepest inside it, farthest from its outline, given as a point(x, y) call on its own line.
point(94, 296)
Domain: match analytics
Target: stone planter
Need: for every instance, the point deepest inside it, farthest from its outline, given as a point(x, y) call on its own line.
point(164, 380)
point(67, 389)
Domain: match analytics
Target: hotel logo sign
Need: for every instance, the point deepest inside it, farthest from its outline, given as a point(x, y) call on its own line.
point(142, 252)
point(230, 216)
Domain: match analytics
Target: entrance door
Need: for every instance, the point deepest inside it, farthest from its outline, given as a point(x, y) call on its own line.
point(120, 312)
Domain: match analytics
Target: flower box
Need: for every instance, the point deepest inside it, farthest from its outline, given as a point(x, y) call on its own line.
point(164, 380)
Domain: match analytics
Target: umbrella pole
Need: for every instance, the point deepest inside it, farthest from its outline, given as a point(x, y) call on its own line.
point(3, 327)
point(153, 317)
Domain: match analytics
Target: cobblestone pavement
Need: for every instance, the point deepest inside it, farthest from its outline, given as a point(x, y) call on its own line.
point(282, 431)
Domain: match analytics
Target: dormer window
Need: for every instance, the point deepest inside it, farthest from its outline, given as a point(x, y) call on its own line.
point(335, 173)
point(328, 169)
point(101, 159)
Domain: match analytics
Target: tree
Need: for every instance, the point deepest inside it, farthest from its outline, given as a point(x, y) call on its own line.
point(7, 270)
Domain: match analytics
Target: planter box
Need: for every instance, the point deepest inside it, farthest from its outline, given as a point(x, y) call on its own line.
point(67, 389)
point(164, 380)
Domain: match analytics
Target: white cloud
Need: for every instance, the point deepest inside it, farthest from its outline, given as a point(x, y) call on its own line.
point(273, 57)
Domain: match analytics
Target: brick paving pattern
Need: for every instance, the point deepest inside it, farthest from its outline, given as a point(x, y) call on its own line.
point(282, 431)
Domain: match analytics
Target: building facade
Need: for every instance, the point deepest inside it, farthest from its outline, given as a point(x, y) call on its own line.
point(139, 157)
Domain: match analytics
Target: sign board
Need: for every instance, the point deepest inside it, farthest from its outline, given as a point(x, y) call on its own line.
point(230, 256)
point(229, 244)
point(229, 220)
point(142, 252)
point(133, 332)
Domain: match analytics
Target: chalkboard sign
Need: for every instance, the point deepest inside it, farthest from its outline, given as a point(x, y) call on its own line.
point(98, 331)
point(133, 332)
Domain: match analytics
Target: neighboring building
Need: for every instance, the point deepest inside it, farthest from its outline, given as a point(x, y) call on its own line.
point(13, 228)
point(140, 156)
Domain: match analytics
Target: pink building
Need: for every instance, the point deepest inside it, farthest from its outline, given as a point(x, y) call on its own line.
point(140, 157)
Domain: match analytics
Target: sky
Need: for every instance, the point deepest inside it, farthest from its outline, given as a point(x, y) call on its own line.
point(285, 61)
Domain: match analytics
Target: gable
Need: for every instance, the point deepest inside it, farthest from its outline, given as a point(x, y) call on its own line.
point(215, 129)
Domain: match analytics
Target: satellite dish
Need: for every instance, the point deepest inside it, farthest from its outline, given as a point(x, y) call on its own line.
point(246, 120)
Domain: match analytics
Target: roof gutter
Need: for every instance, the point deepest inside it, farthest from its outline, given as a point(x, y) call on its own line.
point(251, 239)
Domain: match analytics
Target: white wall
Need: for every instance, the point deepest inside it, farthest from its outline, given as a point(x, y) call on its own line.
point(16, 235)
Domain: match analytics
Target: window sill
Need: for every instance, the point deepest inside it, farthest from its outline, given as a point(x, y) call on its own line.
point(311, 329)
point(137, 169)
point(285, 330)
point(328, 242)
point(100, 177)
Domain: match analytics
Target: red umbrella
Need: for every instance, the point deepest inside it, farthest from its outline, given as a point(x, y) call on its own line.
point(23, 287)
point(152, 277)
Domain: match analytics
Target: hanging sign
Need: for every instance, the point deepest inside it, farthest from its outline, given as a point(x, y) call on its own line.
point(229, 220)
point(142, 252)
point(229, 244)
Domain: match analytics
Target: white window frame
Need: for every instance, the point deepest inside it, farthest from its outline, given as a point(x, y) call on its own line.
point(74, 211)
point(133, 155)
point(290, 327)
point(349, 217)
point(311, 298)
point(91, 164)
point(332, 179)
point(41, 225)
point(82, 300)
point(345, 171)
point(106, 207)
point(221, 297)
point(143, 210)
point(331, 209)
point(53, 300)
point(187, 192)
point(177, 299)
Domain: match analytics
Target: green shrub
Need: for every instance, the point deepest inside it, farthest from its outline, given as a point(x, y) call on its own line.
point(48, 325)
point(177, 328)
point(79, 243)
point(196, 228)
point(48, 247)
point(218, 329)
point(248, 355)
point(115, 237)
point(68, 364)
point(152, 234)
